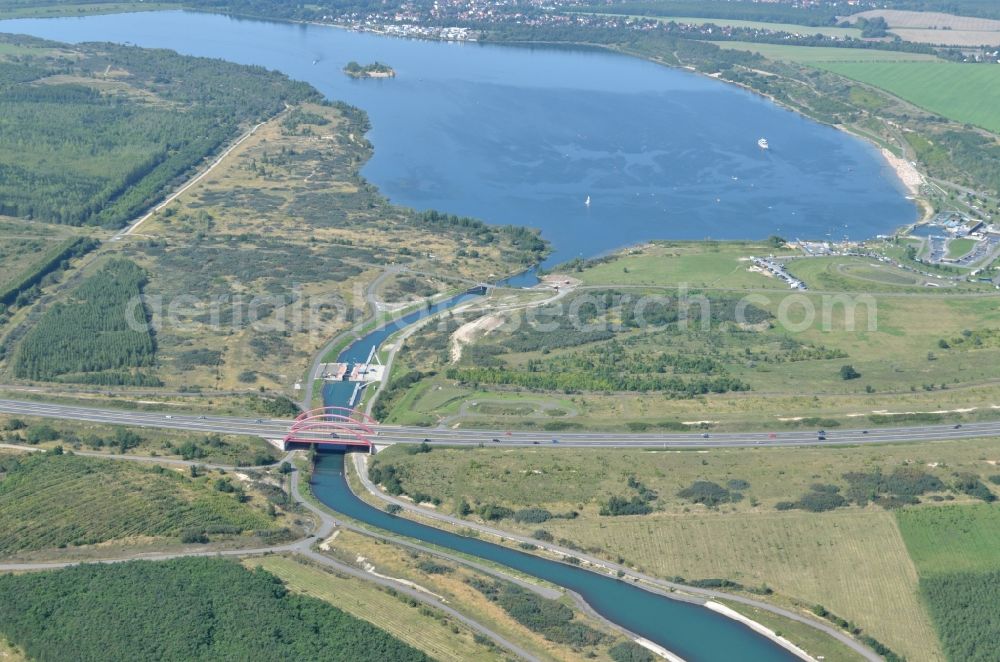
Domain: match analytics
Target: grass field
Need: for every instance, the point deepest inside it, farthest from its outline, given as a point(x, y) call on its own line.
point(952, 538)
point(963, 93)
point(22, 244)
point(427, 632)
point(959, 247)
point(821, 54)
point(62, 502)
point(878, 318)
point(9, 653)
point(704, 264)
point(95, 437)
point(809, 639)
point(852, 560)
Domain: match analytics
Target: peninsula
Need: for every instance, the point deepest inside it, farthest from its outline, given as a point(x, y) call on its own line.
point(373, 70)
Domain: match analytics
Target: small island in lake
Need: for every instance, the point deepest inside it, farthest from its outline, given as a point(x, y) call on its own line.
point(373, 70)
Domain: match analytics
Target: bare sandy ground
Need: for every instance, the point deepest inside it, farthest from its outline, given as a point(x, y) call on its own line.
point(468, 332)
point(906, 171)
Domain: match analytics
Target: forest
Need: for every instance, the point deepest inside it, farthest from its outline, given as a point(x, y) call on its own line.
point(95, 136)
point(187, 609)
point(91, 338)
point(963, 607)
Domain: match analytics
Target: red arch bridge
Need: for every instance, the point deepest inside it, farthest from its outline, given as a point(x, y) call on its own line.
point(332, 426)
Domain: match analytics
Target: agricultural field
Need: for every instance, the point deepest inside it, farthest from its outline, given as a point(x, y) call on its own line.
point(820, 54)
point(851, 559)
point(791, 28)
point(115, 439)
point(963, 93)
point(50, 9)
point(431, 633)
point(937, 27)
point(52, 504)
point(620, 356)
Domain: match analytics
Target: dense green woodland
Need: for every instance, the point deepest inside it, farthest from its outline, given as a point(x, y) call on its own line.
point(185, 609)
point(96, 135)
point(100, 336)
point(964, 608)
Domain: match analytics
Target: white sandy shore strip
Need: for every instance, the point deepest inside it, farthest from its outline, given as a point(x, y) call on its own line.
point(759, 629)
point(658, 650)
point(907, 173)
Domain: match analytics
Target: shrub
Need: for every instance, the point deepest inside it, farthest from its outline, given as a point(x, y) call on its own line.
point(848, 372)
point(709, 493)
point(532, 516)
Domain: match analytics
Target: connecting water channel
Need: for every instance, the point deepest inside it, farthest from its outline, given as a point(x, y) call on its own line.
point(518, 135)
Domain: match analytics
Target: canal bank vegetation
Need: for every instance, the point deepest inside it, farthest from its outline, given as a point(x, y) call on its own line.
point(436, 634)
point(523, 624)
point(852, 559)
point(189, 609)
point(60, 506)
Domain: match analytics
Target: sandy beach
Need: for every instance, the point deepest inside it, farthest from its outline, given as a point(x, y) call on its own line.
point(906, 171)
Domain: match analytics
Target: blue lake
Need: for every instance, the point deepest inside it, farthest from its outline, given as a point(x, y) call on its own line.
point(524, 136)
point(521, 135)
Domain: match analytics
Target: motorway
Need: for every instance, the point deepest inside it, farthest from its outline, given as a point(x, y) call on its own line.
point(390, 434)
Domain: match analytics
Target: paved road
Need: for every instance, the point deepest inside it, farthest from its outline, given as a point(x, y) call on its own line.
point(390, 434)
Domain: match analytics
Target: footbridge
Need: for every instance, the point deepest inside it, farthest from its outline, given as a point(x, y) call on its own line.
point(331, 427)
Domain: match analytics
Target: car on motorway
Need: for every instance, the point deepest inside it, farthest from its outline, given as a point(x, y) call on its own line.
point(956, 426)
point(864, 432)
point(495, 440)
point(821, 432)
point(535, 443)
point(168, 416)
point(259, 420)
point(821, 437)
point(426, 440)
point(555, 441)
point(704, 435)
point(202, 418)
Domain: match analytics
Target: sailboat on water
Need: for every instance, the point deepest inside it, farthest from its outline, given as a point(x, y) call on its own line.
point(586, 202)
